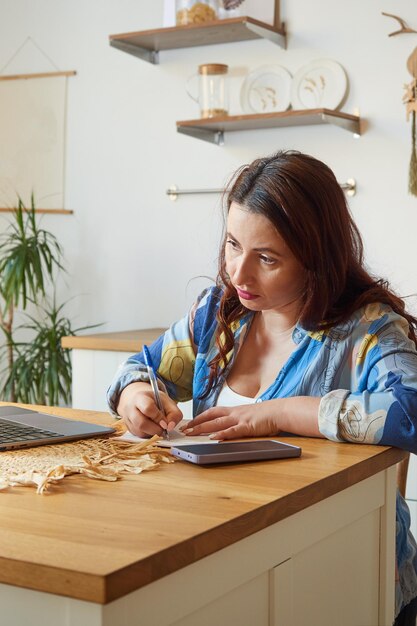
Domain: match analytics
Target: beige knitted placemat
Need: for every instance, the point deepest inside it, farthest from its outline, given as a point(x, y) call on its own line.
point(103, 459)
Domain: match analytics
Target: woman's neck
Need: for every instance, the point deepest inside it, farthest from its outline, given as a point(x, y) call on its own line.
point(277, 322)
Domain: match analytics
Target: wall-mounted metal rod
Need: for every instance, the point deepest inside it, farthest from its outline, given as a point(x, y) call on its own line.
point(349, 187)
point(173, 192)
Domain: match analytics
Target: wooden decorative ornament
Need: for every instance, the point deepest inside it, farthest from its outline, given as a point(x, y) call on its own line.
point(404, 28)
point(410, 101)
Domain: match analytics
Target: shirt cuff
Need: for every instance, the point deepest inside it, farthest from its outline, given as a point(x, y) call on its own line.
point(329, 411)
point(121, 383)
point(128, 373)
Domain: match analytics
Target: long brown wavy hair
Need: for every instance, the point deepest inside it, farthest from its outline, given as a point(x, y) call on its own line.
point(302, 199)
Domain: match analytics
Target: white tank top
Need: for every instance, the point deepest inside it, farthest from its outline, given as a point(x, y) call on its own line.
point(228, 397)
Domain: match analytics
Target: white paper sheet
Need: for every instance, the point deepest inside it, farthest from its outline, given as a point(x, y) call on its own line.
point(176, 438)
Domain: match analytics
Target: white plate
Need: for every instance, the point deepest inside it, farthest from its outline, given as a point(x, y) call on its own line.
point(320, 84)
point(265, 90)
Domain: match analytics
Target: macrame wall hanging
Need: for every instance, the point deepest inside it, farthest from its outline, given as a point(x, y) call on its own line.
point(33, 108)
point(410, 101)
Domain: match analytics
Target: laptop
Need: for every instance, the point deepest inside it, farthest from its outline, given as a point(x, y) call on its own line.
point(24, 428)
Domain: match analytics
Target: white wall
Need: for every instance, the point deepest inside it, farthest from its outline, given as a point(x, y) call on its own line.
point(131, 251)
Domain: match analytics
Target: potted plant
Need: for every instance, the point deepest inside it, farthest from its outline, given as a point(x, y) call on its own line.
point(37, 370)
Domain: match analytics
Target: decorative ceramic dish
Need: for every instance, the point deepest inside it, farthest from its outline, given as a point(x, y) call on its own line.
point(320, 84)
point(266, 89)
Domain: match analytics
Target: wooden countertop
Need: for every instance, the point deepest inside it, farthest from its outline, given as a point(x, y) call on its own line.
point(98, 541)
point(125, 341)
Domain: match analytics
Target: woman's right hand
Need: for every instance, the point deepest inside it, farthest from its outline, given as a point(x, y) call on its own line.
point(140, 413)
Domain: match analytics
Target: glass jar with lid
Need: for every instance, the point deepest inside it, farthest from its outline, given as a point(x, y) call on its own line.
point(212, 95)
point(192, 12)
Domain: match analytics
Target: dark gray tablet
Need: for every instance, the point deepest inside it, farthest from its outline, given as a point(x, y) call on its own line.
point(237, 451)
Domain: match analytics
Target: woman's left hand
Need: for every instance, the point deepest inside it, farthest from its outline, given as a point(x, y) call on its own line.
point(249, 420)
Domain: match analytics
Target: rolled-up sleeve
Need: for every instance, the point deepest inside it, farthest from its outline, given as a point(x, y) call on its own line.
point(173, 357)
point(381, 405)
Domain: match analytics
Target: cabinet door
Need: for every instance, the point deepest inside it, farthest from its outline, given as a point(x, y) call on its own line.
point(92, 373)
point(246, 605)
point(280, 587)
point(334, 581)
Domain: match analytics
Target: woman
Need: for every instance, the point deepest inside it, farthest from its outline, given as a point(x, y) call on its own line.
point(296, 336)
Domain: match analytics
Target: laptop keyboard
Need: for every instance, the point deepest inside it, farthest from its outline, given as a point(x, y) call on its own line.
point(10, 431)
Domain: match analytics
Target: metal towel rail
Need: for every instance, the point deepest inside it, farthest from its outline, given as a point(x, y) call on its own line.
point(173, 192)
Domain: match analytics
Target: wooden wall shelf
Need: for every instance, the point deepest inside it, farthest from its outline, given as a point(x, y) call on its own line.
point(146, 44)
point(213, 129)
point(52, 211)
